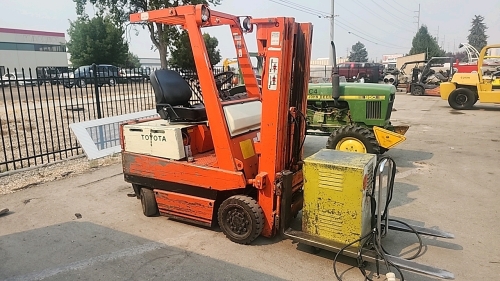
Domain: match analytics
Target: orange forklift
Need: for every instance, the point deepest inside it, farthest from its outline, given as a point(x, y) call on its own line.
point(235, 157)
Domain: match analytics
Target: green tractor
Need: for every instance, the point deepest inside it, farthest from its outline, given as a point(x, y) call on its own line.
point(357, 120)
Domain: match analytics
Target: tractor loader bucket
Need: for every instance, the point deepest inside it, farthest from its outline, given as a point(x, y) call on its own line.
point(389, 139)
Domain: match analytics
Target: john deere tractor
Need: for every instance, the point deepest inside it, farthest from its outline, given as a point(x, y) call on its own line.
point(356, 116)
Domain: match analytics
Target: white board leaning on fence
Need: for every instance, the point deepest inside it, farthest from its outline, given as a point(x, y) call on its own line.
point(101, 137)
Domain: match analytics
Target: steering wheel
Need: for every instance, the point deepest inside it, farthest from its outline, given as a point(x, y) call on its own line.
point(223, 78)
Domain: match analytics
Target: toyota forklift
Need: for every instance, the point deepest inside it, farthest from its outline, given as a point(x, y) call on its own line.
point(235, 157)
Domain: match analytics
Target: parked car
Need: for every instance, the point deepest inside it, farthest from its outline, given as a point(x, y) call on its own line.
point(106, 75)
point(7, 79)
point(51, 74)
point(353, 71)
point(18, 79)
point(25, 79)
point(134, 74)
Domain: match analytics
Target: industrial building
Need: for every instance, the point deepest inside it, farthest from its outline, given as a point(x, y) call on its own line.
point(25, 49)
point(390, 61)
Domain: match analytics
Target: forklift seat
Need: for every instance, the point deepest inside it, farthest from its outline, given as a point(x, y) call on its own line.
point(173, 94)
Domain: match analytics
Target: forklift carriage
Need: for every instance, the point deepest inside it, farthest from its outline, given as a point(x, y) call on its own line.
point(234, 159)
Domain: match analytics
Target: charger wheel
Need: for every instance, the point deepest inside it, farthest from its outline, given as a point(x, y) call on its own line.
point(241, 219)
point(354, 139)
point(148, 202)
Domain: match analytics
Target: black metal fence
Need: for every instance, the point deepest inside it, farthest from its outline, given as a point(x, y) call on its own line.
point(36, 108)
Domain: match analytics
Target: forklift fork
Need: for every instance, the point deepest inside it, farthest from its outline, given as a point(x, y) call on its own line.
point(381, 223)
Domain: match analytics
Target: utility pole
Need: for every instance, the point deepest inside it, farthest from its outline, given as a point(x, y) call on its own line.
point(418, 18)
point(332, 24)
point(437, 39)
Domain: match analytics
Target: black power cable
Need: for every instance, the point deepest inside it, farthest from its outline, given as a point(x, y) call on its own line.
point(371, 237)
point(303, 140)
point(371, 233)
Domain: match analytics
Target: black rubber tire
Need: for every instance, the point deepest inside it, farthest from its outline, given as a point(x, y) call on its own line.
point(148, 202)
point(417, 90)
point(462, 99)
point(246, 211)
point(362, 134)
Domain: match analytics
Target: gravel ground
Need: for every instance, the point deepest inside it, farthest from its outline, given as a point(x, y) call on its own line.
point(20, 180)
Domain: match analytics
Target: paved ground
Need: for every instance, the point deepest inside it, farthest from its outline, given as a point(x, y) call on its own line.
point(448, 170)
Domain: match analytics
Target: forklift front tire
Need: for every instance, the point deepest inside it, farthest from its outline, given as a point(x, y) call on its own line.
point(241, 219)
point(417, 90)
point(148, 202)
point(462, 99)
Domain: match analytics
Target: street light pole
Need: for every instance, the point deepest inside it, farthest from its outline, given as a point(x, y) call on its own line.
point(332, 23)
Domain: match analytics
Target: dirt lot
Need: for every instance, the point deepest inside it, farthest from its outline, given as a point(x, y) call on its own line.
point(34, 121)
point(447, 178)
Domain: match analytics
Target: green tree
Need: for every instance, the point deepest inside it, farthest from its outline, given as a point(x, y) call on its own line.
point(358, 53)
point(423, 42)
point(182, 54)
point(96, 40)
point(477, 37)
point(132, 61)
point(162, 36)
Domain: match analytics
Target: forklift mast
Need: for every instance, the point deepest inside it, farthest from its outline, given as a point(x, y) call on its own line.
point(254, 158)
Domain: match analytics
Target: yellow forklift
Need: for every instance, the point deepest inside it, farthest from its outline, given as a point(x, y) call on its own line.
point(236, 160)
point(466, 89)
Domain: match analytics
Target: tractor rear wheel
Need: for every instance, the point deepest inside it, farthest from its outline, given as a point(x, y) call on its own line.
point(462, 98)
point(241, 219)
point(353, 138)
point(148, 202)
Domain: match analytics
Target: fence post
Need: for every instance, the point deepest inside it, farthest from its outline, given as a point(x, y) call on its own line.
point(96, 90)
point(100, 138)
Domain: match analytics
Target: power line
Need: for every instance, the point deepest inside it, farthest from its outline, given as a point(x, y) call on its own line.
point(371, 41)
point(298, 9)
point(396, 2)
point(374, 38)
point(373, 13)
point(396, 16)
point(317, 12)
point(398, 10)
point(361, 18)
point(340, 23)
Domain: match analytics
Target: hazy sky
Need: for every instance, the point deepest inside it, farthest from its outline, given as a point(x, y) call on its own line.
point(384, 26)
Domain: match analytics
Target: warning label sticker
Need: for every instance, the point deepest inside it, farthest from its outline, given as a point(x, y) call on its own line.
point(275, 38)
point(273, 74)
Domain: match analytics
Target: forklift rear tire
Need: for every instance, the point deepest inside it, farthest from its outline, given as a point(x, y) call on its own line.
point(353, 138)
point(148, 202)
point(241, 219)
point(462, 99)
point(417, 90)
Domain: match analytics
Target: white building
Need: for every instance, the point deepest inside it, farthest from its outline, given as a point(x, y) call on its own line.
point(25, 49)
point(390, 61)
point(153, 63)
